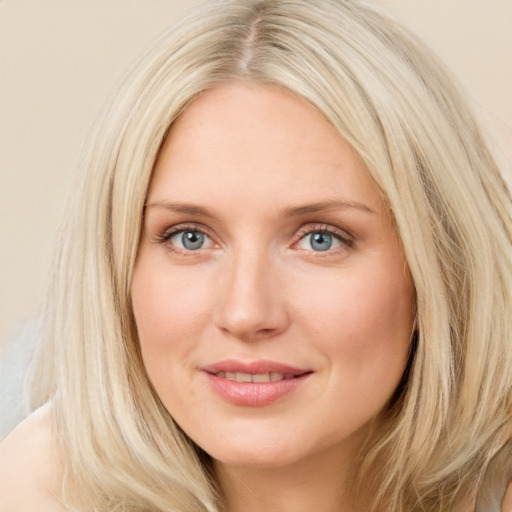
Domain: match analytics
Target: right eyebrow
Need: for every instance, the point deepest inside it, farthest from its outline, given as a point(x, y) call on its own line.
point(187, 208)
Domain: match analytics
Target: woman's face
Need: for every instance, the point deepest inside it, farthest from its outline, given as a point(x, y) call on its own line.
point(271, 295)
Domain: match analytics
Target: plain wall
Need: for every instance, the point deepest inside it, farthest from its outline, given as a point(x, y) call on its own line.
point(59, 60)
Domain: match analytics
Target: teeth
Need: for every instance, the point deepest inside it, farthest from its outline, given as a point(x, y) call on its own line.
point(254, 377)
point(261, 377)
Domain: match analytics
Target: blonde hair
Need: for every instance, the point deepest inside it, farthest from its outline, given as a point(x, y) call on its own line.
point(447, 432)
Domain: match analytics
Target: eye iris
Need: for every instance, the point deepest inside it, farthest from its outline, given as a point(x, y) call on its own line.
point(192, 240)
point(321, 241)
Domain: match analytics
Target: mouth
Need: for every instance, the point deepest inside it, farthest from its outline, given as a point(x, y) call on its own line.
point(254, 384)
point(257, 377)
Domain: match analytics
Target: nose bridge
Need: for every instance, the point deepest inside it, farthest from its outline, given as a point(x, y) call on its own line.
point(250, 304)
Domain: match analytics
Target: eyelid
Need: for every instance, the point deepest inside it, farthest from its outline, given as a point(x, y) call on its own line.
point(164, 236)
point(347, 240)
point(343, 236)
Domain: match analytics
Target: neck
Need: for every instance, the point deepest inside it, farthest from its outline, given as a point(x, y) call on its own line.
point(318, 483)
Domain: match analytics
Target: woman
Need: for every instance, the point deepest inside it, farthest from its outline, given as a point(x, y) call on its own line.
point(286, 285)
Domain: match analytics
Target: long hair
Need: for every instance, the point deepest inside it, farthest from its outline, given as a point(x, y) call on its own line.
point(447, 431)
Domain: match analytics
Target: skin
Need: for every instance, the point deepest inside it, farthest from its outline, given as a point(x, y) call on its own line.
point(330, 313)
point(30, 468)
point(242, 155)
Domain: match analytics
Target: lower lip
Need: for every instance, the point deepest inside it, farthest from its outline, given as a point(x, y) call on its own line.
point(254, 394)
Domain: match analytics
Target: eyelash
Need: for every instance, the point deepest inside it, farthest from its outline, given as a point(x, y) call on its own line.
point(165, 236)
point(344, 238)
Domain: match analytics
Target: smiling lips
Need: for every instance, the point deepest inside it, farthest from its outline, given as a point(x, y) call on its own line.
point(254, 384)
point(255, 377)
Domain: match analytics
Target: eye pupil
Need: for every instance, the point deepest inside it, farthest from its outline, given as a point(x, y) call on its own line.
point(321, 241)
point(192, 240)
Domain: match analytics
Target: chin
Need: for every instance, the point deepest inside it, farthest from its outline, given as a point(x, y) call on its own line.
point(255, 459)
point(251, 453)
point(269, 453)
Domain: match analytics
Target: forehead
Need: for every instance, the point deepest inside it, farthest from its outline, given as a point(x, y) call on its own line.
point(254, 140)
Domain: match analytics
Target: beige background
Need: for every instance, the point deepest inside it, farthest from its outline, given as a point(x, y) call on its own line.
point(59, 59)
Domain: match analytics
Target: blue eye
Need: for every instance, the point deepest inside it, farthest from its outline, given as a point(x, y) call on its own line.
point(319, 241)
point(191, 240)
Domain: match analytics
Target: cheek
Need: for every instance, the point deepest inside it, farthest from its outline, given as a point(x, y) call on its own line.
point(170, 307)
point(363, 327)
point(363, 316)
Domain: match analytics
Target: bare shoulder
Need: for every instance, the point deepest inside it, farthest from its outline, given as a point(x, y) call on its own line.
point(29, 467)
point(506, 505)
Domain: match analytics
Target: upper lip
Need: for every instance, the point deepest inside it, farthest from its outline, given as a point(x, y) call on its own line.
point(253, 367)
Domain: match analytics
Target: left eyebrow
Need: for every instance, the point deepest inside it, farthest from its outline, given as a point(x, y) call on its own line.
point(324, 206)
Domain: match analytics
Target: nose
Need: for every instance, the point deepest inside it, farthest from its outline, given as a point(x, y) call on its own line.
point(251, 298)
